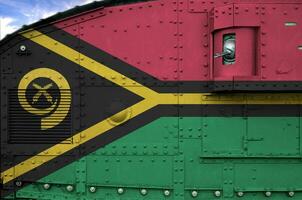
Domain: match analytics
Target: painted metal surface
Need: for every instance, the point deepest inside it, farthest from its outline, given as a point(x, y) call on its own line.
point(162, 39)
point(141, 117)
point(149, 159)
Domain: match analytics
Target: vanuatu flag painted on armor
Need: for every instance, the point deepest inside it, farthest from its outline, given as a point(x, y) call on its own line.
point(96, 117)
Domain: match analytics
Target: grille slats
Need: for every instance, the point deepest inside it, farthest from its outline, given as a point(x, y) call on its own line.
point(25, 128)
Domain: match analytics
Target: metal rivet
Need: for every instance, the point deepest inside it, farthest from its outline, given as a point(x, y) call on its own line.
point(268, 194)
point(240, 194)
point(18, 183)
point(92, 189)
point(22, 48)
point(120, 190)
point(217, 193)
point(166, 192)
point(194, 193)
point(46, 186)
point(291, 193)
point(144, 191)
point(69, 188)
point(300, 47)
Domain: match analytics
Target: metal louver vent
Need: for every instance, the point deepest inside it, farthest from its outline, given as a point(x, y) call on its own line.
point(25, 127)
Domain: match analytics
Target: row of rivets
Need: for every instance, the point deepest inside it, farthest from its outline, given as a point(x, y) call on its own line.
point(216, 193)
point(144, 192)
point(240, 194)
point(69, 188)
point(290, 194)
point(121, 191)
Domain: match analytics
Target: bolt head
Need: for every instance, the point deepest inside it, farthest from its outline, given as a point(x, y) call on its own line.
point(194, 193)
point(23, 48)
point(120, 190)
point(240, 194)
point(46, 186)
point(217, 193)
point(291, 193)
point(69, 188)
point(92, 189)
point(144, 191)
point(18, 183)
point(166, 192)
point(268, 194)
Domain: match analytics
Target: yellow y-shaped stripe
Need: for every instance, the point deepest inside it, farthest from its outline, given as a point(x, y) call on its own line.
point(151, 99)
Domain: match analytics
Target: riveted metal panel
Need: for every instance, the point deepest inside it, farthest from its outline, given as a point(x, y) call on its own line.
point(130, 171)
point(191, 145)
point(264, 177)
point(274, 42)
point(274, 137)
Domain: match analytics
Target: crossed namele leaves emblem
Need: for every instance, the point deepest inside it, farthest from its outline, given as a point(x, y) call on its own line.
point(42, 91)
